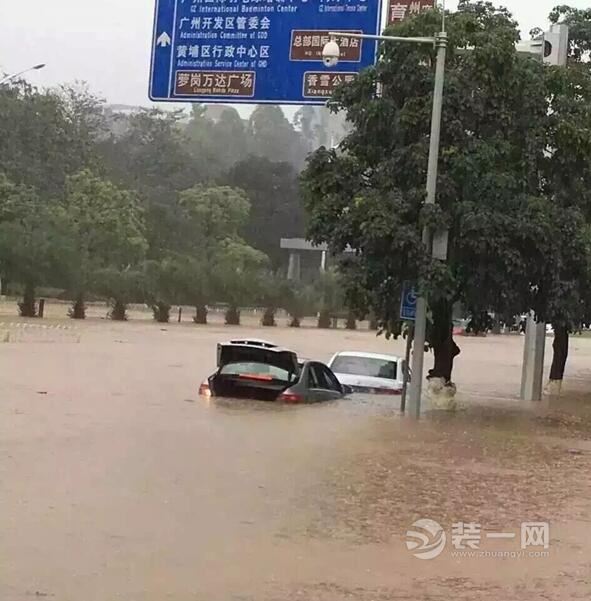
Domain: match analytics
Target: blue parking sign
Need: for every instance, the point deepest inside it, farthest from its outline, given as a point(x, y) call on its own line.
point(257, 51)
point(408, 303)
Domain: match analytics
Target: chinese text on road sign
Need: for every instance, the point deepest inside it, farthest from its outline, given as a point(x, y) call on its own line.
point(257, 50)
point(398, 10)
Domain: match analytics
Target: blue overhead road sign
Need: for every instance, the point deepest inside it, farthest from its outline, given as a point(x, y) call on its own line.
point(259, 51)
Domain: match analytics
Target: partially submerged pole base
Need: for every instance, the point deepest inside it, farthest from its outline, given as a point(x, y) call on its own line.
point(553, 388)
point(441, 395)
point(533, 360)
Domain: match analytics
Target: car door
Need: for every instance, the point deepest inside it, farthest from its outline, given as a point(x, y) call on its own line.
point(322, 385)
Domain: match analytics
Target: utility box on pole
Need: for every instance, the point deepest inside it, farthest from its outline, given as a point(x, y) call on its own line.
point(551, 47)
point(556, 45)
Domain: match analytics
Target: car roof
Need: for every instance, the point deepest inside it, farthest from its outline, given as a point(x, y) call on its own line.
point(252, 342)
point(362, 355)
point(248, 344)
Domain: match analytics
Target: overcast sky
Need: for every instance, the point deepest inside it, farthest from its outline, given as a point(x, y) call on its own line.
point(107, 42)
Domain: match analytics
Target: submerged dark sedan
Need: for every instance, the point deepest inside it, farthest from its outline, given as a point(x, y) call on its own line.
point(255, 369)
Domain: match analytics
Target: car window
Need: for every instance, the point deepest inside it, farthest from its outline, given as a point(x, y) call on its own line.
point(259, 369)
point(321, 378)
point(365, 366)
point(313, 380)
point(334, 384)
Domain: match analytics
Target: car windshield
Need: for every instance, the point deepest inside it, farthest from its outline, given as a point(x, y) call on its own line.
point(365, 366)
point(256, 369)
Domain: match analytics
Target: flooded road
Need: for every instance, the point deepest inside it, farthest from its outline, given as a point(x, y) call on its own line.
point(119, 483)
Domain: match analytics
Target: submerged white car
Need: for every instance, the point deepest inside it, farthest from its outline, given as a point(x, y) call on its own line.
point(369, 373)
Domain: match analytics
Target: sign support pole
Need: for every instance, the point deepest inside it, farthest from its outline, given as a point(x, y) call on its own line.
point(409, 339)
point(432, 171)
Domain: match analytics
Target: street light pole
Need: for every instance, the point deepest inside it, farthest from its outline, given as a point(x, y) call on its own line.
point(440, 42)
point(416, 384)
point(15, 75)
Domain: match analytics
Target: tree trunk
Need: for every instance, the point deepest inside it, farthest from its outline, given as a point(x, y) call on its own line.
point(119, 311)
point(351, 322)
point(559, 359)
point(442, 342)
point(233, 316)
point(78, 310)
point(200, 315)
point(295, 322)
point(373, 323)
point(324, 320)
point(161, 312)
point(268, 319)
point(28, 306)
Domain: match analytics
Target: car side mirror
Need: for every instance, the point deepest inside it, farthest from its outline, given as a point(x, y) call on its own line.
point(347, 390)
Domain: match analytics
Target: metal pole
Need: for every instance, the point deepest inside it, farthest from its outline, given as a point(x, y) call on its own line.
point(409, 338)
point(432, 170)
point(382, 38)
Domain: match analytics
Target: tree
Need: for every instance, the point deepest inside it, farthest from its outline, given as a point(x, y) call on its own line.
point(272, 293)
point(319, 127)
point(212, 219)
point(370, 194)
point(579, 25)
point(42, 139)
point(107, 229)
point(564, 296)
point(272, 136)
point(120, 287)
point(216, 145)
point(328, 297)
point(33, 240)
point(275, 206)
point(151, 158)
point(297, 301)
point(239, 269)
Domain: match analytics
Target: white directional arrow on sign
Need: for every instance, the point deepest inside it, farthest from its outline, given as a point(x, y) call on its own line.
point(163, 40)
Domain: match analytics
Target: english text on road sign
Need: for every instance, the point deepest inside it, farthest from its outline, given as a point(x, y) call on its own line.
point(408, 303)
point(258, 51)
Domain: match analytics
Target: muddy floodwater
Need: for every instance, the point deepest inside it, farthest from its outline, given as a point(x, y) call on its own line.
point(118, 483)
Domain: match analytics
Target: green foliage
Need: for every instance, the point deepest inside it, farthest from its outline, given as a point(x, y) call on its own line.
point(513, 184)
point(216, 146)
point(579, 24)
point(296, 301)
point(120, 287)
point(272, 136)
point(162, 282)
point(34, 242)
point(106, 228)
point(212, 219)
point(239, 266)
point(130, 206)
point(43, 140)
point(275, 210)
